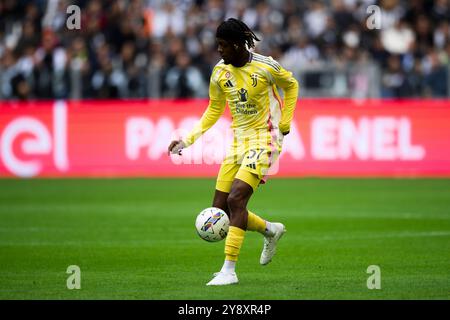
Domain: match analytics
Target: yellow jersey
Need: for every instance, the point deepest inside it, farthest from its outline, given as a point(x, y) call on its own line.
point(251, 92)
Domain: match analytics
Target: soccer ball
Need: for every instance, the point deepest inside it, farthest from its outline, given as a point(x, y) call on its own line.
point(212, 224)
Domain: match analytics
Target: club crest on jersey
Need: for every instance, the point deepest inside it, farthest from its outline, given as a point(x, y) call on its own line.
point(211, 221)
point(243, 95)
point(254, 77)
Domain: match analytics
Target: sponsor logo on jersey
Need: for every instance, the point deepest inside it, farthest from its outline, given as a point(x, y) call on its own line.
point(243, 95)
point(246, 109)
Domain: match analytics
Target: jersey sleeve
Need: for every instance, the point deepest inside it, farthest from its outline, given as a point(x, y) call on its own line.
point(286, 81)
point(215, 109)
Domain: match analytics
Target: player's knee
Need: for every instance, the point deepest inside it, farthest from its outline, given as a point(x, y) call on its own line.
point(220, 201)
point(235, 201)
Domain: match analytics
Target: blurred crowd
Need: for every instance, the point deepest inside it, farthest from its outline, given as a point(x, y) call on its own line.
point(162, 48)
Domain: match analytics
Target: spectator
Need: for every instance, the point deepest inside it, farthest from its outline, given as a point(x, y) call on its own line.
point(391, 12)
point(441, 35)
point(168, 20)
point(415, 80)
point(107, 82)
point(316, 19)
point(184, 80)
point(50, 72)
point(20, 87)
point(398, 39)
point(394, 79)
point(440, 11)
point(435, 76)
point(303, 54)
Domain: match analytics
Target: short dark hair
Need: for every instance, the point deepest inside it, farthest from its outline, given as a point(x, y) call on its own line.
point(236, 31)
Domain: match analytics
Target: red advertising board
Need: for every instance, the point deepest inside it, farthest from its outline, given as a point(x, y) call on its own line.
point(329, 137)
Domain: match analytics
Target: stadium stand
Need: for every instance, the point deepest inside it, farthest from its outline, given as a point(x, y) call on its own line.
point(159, 49)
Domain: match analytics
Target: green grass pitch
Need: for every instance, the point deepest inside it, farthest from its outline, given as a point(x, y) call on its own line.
point(135, 239)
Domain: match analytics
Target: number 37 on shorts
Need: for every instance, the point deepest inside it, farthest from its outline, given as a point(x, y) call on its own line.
point(262, 161)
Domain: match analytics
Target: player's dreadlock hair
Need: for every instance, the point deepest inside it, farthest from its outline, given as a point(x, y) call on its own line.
point(237, 31)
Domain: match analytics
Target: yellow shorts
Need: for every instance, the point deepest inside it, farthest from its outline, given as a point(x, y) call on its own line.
point(251, 164)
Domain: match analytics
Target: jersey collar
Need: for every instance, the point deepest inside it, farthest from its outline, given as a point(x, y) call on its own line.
point(250, 57)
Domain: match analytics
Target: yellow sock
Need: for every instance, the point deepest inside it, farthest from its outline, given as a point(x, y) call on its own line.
point(233, 243)
point(255, 223)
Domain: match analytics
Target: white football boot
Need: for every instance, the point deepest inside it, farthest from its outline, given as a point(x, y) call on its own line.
point(223, 279)
point(270, 243)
